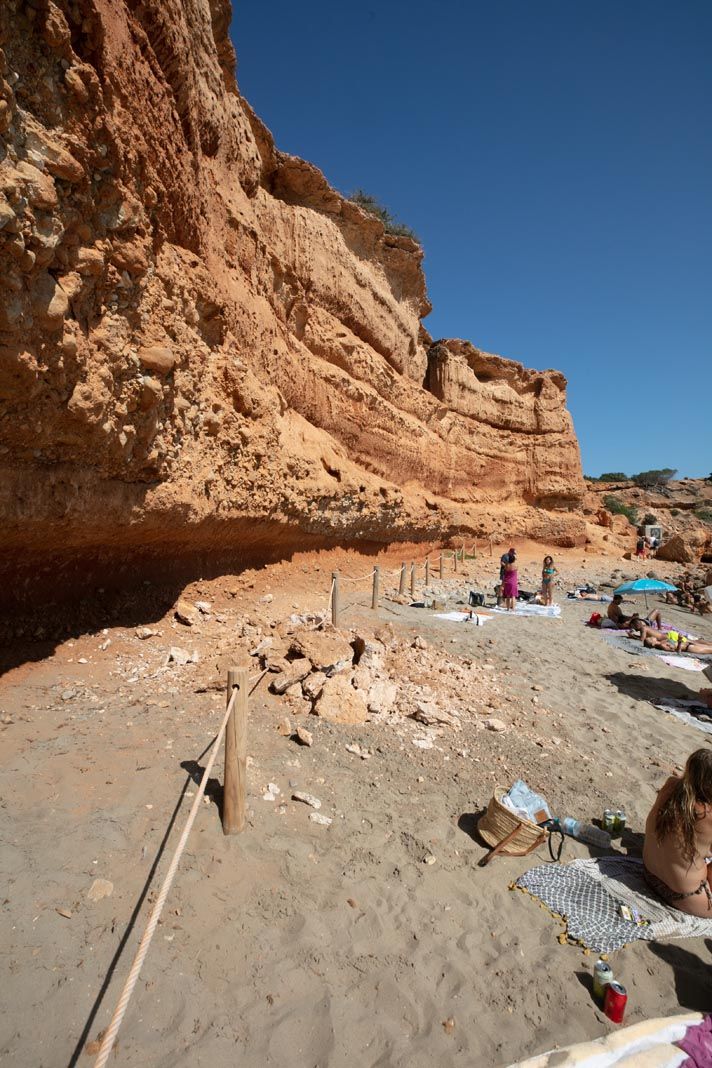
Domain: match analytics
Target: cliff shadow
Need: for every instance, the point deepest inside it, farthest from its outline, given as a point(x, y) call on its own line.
point(47, 601)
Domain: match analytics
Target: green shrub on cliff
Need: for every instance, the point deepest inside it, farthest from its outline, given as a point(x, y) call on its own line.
point(392, 226)
point(617, 507)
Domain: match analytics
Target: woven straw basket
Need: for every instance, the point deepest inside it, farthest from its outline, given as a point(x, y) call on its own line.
point(507, 833)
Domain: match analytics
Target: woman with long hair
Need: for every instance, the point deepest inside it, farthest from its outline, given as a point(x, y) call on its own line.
point(678, 838)
point(548, 572)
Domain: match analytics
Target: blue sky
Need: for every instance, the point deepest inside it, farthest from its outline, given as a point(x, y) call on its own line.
point(555, 159)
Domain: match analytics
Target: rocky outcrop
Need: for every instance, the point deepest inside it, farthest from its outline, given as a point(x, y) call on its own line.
point(203, 347)
point(682, 509)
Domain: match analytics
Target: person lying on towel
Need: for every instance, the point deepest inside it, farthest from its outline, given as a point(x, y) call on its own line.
point(678, 838)
point(671, 641)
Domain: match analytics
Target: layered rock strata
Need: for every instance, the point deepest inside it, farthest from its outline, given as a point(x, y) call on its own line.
point(203, 347)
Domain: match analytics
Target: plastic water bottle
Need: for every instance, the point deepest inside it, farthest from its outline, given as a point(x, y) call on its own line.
point(585, 832)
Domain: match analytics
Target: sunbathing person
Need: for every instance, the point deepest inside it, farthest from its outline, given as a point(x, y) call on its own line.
point(654, 639)
point(678, 838)
point(641, 623)
point(693, 645)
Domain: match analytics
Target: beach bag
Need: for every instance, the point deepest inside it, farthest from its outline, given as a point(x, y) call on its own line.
point(476, 600)
point(506, 832)
point(595, 620)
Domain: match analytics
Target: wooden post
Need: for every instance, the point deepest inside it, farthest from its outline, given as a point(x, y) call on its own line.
point(235, 781)
point(376, 582)
point(474, 549)
point(335, 606)
point(454, 560)
point(442, 565)
point(401, 584)
point(412, 580)
point(490, 545)
point(427, 570)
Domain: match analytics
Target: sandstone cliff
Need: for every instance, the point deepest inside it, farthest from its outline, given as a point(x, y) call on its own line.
point(205, 348)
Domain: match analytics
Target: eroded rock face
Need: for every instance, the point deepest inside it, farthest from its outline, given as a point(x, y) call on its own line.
point(203, 346)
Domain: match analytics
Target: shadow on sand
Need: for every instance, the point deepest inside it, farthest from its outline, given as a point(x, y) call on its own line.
point(693, 976)
point(214, 791)
point(651, 690)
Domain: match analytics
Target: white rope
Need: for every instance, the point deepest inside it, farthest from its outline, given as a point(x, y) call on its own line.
point(113, 1028)
point(358, 578)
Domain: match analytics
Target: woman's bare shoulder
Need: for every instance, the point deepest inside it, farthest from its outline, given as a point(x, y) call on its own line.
point(667, 786)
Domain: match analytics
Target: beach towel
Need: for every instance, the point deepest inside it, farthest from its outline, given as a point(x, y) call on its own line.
point(551, 611)
point(687, 663)
point(587, 895)
point(693, 713)
point(666, 1042)
point(464, 617)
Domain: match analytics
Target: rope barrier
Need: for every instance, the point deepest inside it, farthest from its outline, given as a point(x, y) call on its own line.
point(357, 578)
point(113, 1028)
point(259, 679)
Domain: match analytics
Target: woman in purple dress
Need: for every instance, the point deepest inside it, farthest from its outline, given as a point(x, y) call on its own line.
point(510, 586)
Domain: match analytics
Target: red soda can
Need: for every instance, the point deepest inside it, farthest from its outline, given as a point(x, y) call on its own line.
point(614, 1002)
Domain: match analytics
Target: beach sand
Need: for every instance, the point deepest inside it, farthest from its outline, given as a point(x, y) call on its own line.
point(299, 944)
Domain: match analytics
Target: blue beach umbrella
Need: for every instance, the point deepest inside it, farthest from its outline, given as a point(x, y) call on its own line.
point(645, 586)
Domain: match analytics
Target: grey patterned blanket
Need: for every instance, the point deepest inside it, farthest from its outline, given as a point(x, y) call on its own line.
point(587, 894)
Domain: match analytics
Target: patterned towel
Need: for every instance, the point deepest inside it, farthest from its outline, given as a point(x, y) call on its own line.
point(694, 713)
point(587, 893)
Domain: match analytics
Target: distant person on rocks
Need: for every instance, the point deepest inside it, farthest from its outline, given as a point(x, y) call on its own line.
point(678, 838)
point(548, 573)
point(510, 583)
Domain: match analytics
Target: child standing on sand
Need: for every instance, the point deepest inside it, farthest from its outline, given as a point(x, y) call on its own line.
point(548, 573)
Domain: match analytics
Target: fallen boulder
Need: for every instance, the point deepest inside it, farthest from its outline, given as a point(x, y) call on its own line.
point(676, 550)
point(186, 614)
point(293, 673)
point(340, 703)
point(326, 652)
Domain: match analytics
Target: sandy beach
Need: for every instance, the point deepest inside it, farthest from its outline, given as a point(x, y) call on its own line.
point(376, 940)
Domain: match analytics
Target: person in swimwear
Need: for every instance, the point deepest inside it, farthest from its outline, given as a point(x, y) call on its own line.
point(655, 639)
point(653, 619)
point(671, 641)
point(616, 614)
point(678, 838)
point(693, 645)
point(548, 572)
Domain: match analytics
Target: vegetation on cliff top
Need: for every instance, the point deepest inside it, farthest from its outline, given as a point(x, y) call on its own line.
point(391, 224)
point(653, 479)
